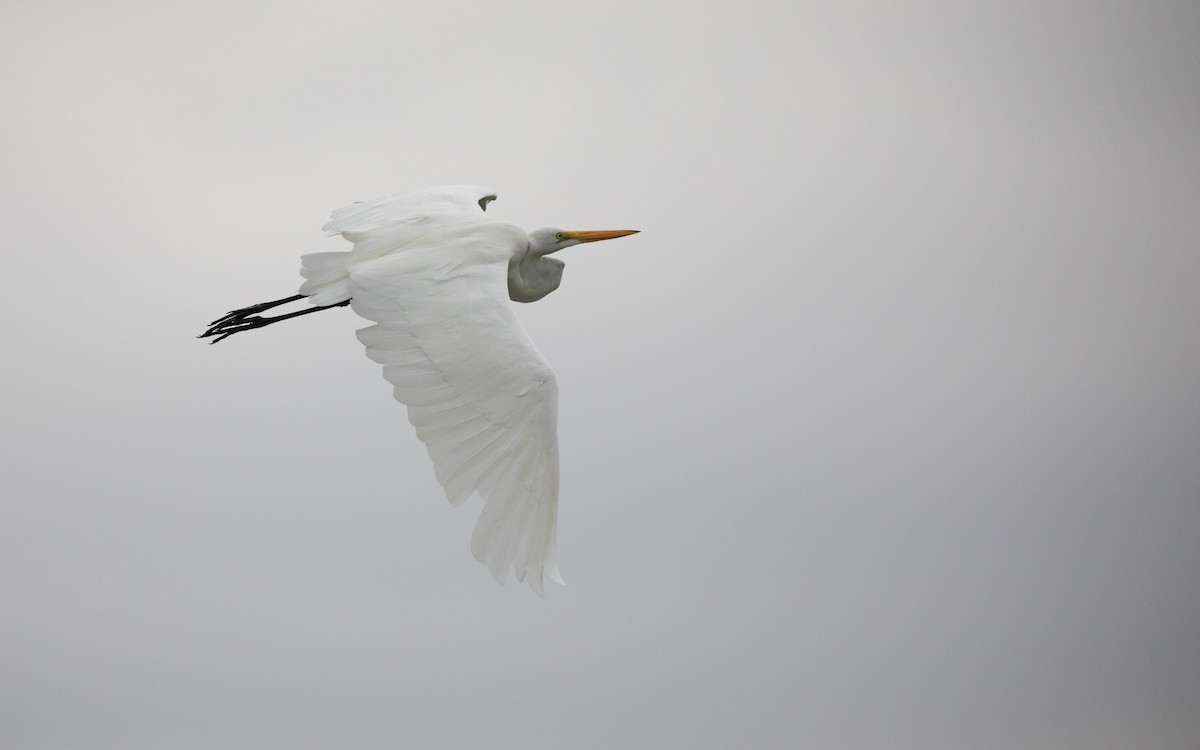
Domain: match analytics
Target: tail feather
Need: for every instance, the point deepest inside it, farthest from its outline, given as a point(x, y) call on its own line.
point(327, 282)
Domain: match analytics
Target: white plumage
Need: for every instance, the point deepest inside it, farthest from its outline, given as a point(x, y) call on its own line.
point(435, 275)
point(430, 271)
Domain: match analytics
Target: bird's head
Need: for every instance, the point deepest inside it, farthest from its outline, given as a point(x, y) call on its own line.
point(551, 240)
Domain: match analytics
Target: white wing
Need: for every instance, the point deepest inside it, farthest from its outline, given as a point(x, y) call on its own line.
point(357, 219)
point(377, 227)
point(483, 399)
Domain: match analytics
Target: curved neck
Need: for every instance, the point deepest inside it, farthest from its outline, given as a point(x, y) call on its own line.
point(531, 277)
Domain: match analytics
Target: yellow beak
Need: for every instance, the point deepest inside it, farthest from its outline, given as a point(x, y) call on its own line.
point(601, 234)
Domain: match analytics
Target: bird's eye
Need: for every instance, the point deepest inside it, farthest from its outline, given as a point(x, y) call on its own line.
point(560, 236)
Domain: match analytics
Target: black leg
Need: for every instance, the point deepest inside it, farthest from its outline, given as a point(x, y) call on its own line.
point(261, 306)
point(245, 319)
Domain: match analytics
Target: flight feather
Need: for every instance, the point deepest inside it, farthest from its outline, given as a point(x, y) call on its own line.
point(480, 395)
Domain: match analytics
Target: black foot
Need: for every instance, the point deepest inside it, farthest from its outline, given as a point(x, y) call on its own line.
point(245, 318)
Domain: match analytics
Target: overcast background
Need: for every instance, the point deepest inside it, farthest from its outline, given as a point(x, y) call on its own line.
point(884, 433)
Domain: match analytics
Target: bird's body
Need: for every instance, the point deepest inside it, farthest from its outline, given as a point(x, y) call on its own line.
point(435, 275)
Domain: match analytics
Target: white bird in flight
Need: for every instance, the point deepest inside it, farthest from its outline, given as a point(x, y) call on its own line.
point(434, 273)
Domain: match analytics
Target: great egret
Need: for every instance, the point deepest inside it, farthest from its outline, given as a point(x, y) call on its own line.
point(430, 270)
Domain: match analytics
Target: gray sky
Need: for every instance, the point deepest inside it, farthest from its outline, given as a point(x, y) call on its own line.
point(884, 433)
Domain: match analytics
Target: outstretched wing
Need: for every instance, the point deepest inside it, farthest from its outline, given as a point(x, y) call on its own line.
point(482, 398)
